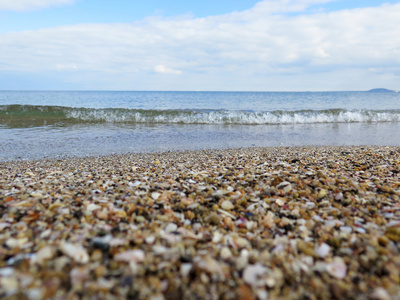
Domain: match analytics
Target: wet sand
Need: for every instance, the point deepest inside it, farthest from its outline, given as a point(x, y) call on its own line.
point(255, 223)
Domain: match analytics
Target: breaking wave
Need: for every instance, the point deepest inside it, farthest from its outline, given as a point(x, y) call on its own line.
point(31, 115)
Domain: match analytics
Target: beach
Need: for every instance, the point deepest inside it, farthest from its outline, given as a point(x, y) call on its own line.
point(246, 223)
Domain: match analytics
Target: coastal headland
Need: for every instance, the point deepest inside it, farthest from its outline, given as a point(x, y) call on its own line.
point(251, 223)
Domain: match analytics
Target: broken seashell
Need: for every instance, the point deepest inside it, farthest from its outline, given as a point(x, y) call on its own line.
point(76, 252)
point(136, 255)
point(47, 252)
point(155, 195)
point(337, 268)
point(254, 275)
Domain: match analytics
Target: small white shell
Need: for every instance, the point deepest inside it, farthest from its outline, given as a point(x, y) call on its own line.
point(280, 201)
point(322, 250)
point(209, 265)
point(76, 252)
point(286, 186)
point(346, 229)
point(47, 252)
point(14, 243)
point(78, 275)
point(92, 207)
point(155, 195)
point(171, 227)
point(185, 269)
point(3, 225)
point(337, 268)
point(309, 205)
point(380, 294)
point(150, 239)
point(136, 255)
point(225, 253)
point(254, 275)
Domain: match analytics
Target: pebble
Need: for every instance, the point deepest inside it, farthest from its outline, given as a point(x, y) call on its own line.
point(227, 205)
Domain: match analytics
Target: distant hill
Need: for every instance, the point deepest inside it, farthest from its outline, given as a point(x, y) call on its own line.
point(381, 90)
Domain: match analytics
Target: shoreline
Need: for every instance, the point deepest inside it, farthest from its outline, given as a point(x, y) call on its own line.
point(212, 150)
point(316, 222)
point(106, 139)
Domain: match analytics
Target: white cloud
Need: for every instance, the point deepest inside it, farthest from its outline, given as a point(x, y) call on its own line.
point(262, 48)
point(166, 70)
point(24, 5)
point(282, 6)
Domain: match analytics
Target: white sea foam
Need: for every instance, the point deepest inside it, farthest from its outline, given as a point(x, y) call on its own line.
point(232, 117)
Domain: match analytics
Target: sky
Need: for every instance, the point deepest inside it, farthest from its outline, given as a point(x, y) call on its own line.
point(191, 45)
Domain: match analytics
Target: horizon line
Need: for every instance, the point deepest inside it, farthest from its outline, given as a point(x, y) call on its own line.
point(195, 91)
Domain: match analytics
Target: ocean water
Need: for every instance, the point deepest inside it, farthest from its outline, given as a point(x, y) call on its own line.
point(40, 124)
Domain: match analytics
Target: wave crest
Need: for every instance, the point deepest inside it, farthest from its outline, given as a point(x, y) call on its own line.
point(66, 115)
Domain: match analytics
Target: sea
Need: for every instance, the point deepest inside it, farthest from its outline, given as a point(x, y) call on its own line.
point(61, 124)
